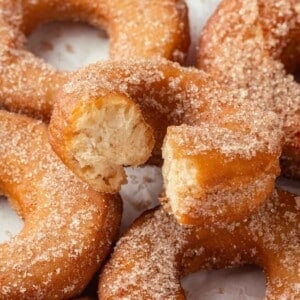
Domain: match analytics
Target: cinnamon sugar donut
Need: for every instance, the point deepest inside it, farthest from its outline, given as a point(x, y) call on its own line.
point(111, 113)
point(254, 45)
point(136, 28)
point(69, 227)
point(151, 258)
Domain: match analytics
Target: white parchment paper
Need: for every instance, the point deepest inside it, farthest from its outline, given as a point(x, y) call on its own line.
point(69, 46)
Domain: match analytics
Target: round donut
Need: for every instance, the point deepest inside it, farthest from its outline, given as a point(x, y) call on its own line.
point(68, 228)
point(255, 45)
point(136, 28)
point(112, 113)
point(151, 258)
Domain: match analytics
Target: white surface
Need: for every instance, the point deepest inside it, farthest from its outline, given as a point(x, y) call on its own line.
point(10, 223)
point(141, 193)
point(69, 46)
point(199, 12)
point(246, 283)
point(62, 46)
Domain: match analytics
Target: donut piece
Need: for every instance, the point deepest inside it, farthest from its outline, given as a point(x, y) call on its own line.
point(254, 45)
point(69, 227)
point(136, 28)
point(107, 115)
point(151, 258)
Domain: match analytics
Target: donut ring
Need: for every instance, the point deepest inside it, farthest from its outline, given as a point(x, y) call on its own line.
point(110, 114)
point(28, 84)
point(68, 226)
point(150, 259)
point(254, 45)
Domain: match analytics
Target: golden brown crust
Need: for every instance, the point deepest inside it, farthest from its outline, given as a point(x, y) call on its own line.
point(137, 29)
point(68, 229)
point(213, 118)
point(212, 186)
point(156, 252)
point(166, 93)
point(252, 45)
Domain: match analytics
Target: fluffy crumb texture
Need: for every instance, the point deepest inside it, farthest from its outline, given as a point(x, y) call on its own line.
point(68, 227)
point(254, 45)
point(151, 258)
point(104, 135)
point(215, 173)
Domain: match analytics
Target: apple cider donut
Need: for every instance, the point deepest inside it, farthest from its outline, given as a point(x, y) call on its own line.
point(69, 227)
point(151, 258)
point(255, 45)
point(112, 113)
point(136, 28)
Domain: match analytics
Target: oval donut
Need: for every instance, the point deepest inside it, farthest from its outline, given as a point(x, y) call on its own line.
point(254, 45)
point(151, 258)
point(136, 28)
point(112, 113)
point(68, 228)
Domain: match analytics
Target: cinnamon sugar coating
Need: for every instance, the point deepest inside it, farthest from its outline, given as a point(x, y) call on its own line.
point(151, 258)
point(254, 45)
point(167, 94)
point(68, 229)
point(205, 117)
point(152, 28)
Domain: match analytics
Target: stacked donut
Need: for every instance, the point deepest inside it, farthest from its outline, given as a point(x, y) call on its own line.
point(258, 53)
point(219, 136)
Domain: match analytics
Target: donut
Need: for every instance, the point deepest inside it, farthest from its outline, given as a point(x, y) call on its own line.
point(110, 114)
point(255, 46)
point(136, 28)
point(68, 227)
point(151, 258)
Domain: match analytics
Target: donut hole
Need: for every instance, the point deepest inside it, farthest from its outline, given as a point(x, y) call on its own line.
point(290, 55)
point(248, 281)
point(296, 72)
point(297, 76)
point(291, 62)
point(10, 223)
point(68, 45)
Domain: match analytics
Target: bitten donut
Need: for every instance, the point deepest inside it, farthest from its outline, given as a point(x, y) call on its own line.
point(156, 252)
point(136, 28)
point(69, 227)
point(112, 113)
point(255, 45)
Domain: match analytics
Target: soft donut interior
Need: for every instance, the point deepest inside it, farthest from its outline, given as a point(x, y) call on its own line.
point(106, 134)
point(203, 165)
